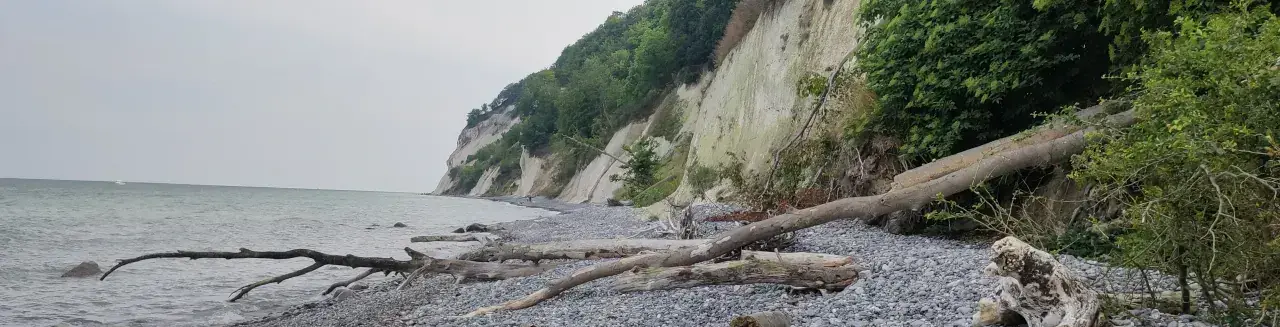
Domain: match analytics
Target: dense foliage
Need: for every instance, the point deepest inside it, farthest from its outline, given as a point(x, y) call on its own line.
point(952, 74)
point(610, 77)
point(1201, 168)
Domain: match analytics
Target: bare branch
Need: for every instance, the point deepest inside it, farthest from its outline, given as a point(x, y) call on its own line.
point(348, 282)
point(240, 292)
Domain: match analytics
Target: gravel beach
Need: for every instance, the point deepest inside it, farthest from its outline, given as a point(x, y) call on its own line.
point(908, 281)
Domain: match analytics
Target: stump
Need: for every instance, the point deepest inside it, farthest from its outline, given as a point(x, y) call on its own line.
point(1036, 287)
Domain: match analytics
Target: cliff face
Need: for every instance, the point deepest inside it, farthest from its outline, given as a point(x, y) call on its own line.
point(472, 139)
point(747, 107)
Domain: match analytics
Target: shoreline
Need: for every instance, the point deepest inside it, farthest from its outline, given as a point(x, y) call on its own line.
point(909, 281)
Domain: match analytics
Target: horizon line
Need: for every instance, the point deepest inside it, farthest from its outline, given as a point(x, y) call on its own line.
point(213, 185)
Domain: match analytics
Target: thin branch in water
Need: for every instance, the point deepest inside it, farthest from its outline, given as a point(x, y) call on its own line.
point(240, 292)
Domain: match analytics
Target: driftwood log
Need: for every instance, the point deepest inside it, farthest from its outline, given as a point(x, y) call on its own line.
point(762, 319)
point(736, 272)
point(1036, 287)
point(482, 238)
point(906, 198)
point(817, 259)
point(575, 250)
point(461, 269)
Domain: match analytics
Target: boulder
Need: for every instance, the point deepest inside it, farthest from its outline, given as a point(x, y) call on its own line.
point(613, 202)
point(473, 228)
point(84, 269)
point(399, 225)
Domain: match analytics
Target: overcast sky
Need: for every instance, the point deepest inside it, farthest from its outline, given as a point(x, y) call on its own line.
point(346, 94)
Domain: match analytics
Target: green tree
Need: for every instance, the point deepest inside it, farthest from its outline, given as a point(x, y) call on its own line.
point(640, 167)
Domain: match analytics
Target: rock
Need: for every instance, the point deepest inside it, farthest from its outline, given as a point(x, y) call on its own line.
point(84, 269)
point(343, 294)
point(473, 228)
point(628, 203)
point(613, 202)
point(399, 225)
point(359, 287)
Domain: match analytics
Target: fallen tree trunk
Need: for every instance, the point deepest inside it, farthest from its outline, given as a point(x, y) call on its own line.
point(908, 198)
point(737, 272)
point(817, 259)
point(450, 238)
point(1038, 288)
point(461, 269)
point(575, 250)
point(952, 163)
point(762, 319)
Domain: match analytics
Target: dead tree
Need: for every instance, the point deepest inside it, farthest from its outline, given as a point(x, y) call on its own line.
point(461, 269)
point(1036, 287)
point(907, 198)
point(810, 274)
point(575, 250)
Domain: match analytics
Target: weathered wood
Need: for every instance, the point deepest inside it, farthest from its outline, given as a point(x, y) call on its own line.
point(445, 238)
point(347, 283)
point(463, 270)
point(762, 319)
point(952, 163)
point(819, 259)
point(737, 272)
point(1038, 288)
point(908, 198)
point(575, 250)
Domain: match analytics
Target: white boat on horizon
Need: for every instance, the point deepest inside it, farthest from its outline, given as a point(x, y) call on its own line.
point(119, 182)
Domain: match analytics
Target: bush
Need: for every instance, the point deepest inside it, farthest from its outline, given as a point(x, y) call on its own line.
point(1201, 167)
point(702, 178)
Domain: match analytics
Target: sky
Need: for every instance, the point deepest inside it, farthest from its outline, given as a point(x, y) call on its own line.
point(361, 95)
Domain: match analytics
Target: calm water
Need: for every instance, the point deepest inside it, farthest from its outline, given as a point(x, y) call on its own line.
point(46, 227)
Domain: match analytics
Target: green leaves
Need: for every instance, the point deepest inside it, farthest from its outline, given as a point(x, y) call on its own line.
point(1194, 169)
point(952, 74)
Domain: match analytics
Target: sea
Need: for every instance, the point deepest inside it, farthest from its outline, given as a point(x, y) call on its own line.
point(48, 227)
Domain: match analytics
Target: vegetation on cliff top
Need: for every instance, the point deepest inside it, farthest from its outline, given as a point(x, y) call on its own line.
point(607, 79)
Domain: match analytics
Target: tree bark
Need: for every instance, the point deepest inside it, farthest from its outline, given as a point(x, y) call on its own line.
point(463, 270)
point(908, 198)
point(762, 319)
point(737, 272)
point(447, 238)
point(575, 250)
point(952, 163)
point(816, 259)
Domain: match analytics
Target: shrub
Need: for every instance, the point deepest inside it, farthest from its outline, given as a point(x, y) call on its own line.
point(702, 178)
point(1201, 168)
